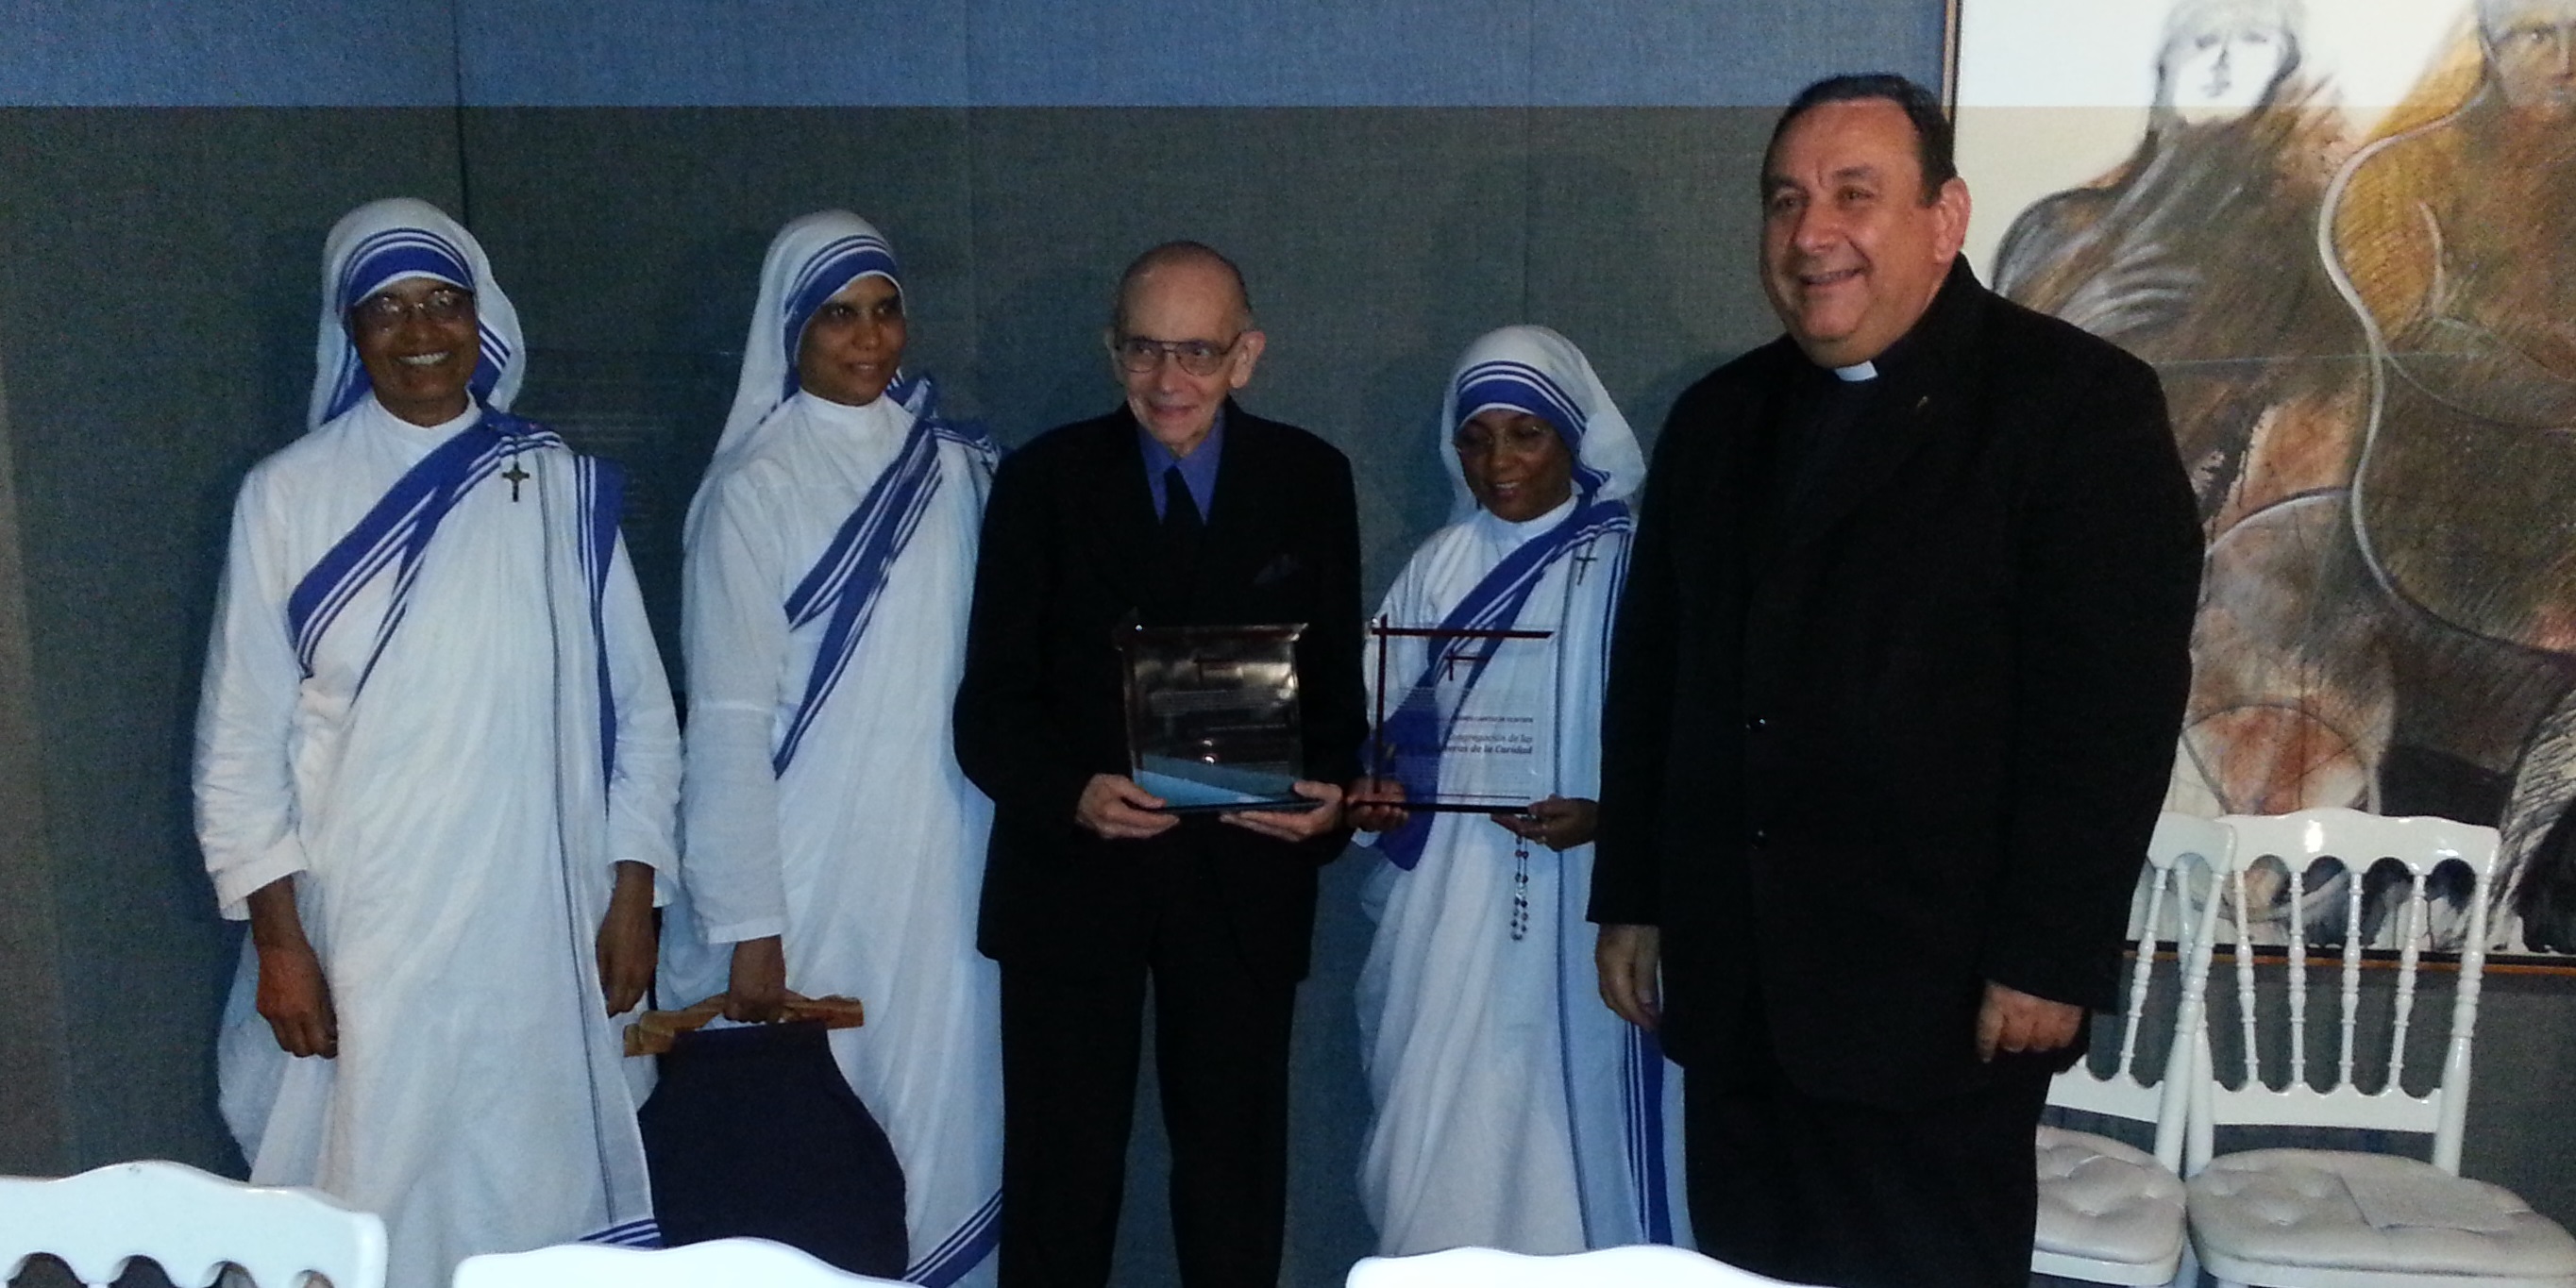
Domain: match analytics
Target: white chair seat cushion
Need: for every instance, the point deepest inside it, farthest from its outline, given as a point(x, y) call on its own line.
point(2106, 1201)
point(2297, 1207)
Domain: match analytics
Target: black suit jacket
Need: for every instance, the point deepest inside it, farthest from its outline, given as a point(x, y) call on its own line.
point(1071, 549)
point(1910, 735)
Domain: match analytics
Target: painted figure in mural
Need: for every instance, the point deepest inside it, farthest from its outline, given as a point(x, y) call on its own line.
point(2198, 254)
point(834, 845)
point(2455, 235)
point(1509, 1110)
point(436, 765)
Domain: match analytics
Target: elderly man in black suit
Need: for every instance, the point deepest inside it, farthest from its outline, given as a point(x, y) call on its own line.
point(1892, 705)
point(1177, 509)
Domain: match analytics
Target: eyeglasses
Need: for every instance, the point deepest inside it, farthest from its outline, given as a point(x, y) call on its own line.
point(1197, 357)
point(384, 312)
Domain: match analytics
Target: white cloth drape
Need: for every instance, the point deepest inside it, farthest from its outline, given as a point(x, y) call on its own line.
point(1513, 1109)
point(449, 757)
point(866, 848)
point(452, 842)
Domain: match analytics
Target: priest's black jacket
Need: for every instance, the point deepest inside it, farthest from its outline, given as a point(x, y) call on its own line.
point(1867, 750)
point(1070, 556)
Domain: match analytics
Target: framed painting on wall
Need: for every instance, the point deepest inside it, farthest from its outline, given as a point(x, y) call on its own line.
point(2344, 232)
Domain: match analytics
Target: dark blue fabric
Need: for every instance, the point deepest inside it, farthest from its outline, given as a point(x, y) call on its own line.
point(753, 1132)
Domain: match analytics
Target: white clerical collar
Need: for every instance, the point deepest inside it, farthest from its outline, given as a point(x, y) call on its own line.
point(1857, 372)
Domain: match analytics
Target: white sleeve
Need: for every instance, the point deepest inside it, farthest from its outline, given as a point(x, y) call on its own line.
point(643, 796)
point(244, 779)
point(734, 637)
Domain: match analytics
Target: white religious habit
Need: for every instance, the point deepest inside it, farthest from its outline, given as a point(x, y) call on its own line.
point(432, 699)
point(830, 562)
point(1512, 1109)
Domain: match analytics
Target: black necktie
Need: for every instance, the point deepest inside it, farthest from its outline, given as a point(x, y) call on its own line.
point(1181, 526)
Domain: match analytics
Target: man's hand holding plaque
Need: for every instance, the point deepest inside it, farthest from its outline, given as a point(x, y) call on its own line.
point(1114, 808)
point(1295, 825)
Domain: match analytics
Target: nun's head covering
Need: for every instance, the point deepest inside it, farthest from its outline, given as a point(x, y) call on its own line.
point(395, 240)
point(813, 258)
point(1535, 370)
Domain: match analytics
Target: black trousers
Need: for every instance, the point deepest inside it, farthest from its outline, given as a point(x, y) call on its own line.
point(1860, 1196)
point(1070, 1045)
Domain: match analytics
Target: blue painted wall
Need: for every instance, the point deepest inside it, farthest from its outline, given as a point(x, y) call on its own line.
point(949, 53)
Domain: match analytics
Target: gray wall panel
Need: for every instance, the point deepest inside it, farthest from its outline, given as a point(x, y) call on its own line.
point(157, 323)
point(808, 53)
point(1642, 233)
point(1249, 53)
point(1721, 53)
point(36, 1112)
point(631, 241)
point(1377, 243)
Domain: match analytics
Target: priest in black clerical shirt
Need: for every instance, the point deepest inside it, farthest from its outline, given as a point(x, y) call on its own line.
point(1892, 702)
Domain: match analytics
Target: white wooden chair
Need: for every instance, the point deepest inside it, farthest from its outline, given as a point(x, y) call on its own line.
point(2108, 1211)
point(735, 1263)
point(1640, 1266)
point(191, 1223)
point(2310, 1218)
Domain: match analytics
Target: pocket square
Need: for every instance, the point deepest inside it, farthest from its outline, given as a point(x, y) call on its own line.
point(1278, 570)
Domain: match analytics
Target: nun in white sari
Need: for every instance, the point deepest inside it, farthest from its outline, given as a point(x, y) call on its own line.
point(1513, 1109)
point(436, 768)
point(832, 844)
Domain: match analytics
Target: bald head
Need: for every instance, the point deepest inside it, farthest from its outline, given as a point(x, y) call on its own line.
point(1181, 341)
point(1180, 259)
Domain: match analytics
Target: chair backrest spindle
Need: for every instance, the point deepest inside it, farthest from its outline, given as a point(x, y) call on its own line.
point(2296, 879)
point(2357, 843)
point(2352, 950)
point(2181, 846)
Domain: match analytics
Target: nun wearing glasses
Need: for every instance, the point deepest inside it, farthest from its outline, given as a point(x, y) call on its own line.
point(833, 845)
point(435, 771)
point(1512, 1109)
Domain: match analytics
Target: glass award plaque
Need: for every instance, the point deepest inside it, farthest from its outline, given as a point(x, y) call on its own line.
point(1212, 716)
point(1466, 719)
